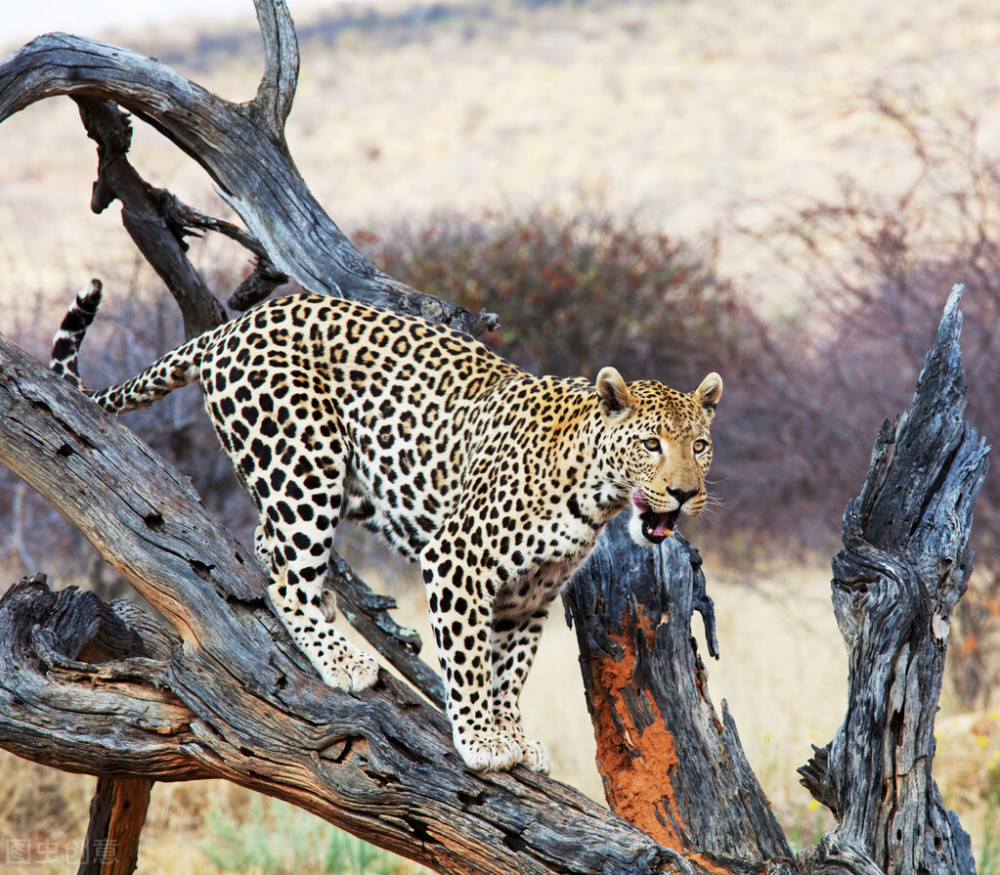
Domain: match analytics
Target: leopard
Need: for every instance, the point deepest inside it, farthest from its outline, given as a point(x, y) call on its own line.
point(495, 481)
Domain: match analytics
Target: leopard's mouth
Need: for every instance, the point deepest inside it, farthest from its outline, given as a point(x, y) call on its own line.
point(656, 527)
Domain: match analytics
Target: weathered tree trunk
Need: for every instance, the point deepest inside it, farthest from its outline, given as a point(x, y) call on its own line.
point(904, 566)
point(668, 763)
point(222, 692)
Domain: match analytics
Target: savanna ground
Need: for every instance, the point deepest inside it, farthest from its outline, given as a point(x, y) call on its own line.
point(785, 143)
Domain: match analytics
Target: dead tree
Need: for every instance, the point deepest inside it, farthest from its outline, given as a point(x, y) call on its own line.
point(220, 691)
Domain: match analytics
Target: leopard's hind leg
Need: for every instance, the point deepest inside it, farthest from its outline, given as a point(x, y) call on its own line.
point(299, 490)
point(297, 555)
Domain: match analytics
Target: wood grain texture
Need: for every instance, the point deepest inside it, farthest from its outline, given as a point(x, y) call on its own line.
point(223, 692)
point(904, 566)
point(117, 814)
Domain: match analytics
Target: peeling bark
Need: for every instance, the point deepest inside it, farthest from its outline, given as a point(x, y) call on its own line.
point(669, 763)
point(221, 691)
point(673, 767)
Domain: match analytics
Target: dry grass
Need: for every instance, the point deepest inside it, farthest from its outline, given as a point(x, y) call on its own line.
point(782, 673)
point(667, 111)
point(44, 814)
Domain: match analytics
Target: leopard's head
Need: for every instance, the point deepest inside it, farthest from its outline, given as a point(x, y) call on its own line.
point(660, 448)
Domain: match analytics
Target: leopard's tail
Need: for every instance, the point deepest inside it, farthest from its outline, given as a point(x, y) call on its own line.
point(66, 344)
point(177, 368)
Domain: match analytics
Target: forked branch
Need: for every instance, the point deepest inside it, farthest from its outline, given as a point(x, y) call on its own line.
point(240, 148)
point(236, 701)
point(277, 86)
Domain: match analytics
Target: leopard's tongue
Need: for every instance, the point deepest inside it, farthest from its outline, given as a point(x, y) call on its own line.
point(639, 500)
point(657, 526)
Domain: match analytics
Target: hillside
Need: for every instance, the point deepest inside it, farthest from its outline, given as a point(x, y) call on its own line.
point(692, 118)
point(671, 111)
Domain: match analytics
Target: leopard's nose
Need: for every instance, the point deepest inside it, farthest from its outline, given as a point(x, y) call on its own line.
point(682, 495)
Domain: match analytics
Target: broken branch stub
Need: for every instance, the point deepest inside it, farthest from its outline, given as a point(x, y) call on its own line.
point(904, 566)
point(669, 764)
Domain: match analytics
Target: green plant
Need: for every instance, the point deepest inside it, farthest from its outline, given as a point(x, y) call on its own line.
point(808, 827)
point(277, 838)
point(988, 862)
point(346, 855)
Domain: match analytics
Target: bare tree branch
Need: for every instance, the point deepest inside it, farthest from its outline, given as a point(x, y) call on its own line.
point(144, 217)
point(251, 168)
point(225, 693)
point(368, 612)
point(277, 86)
point(222, 692)
point(150, 216)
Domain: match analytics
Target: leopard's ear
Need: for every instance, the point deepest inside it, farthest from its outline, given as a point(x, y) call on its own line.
point(615, 399)
point(709, 393)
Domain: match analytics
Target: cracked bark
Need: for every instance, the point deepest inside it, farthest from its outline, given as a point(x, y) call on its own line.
point(220, 691)
point(904, 566)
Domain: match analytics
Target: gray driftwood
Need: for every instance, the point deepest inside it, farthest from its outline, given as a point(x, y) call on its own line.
point(904, 566)
point(222, 692)
point(219, 691)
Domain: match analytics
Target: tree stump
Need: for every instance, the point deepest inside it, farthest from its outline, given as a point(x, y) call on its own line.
point(904, 566)
point(220, 691)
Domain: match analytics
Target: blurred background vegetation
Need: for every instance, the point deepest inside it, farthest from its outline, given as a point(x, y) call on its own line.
point(783, 192)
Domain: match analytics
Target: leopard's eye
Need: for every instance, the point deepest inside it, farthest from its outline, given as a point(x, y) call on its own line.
point(652, 444)
point(699, 446)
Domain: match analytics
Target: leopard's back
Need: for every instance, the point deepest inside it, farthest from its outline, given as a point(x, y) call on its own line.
point(370, 409)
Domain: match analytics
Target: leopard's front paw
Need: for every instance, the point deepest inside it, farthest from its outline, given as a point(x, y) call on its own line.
point(353, 672)
point(488, 751)
point(535, 756)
